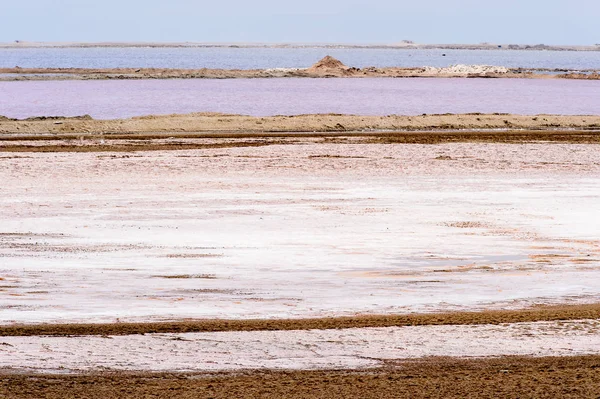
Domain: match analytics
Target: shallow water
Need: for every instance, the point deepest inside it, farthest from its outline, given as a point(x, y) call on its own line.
point(249, 58)
point(264, 97)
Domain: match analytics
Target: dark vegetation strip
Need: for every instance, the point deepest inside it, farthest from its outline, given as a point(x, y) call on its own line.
point(546, 313)
point(506, 377)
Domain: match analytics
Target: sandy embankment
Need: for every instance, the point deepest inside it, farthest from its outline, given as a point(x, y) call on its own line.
point(214, 122)
point(328, 67)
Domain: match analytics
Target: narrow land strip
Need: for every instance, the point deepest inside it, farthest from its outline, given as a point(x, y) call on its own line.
point(542, 313)
point(123, 142)
point(337, 71)
point(240, 126)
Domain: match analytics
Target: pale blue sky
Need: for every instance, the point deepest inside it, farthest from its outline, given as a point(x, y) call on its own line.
point(280, 21)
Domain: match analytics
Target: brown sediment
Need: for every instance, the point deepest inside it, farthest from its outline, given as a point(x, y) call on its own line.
point(230, 125)
point(330, 67)
point(540, 313)
point(106, 142)
point(505, 377)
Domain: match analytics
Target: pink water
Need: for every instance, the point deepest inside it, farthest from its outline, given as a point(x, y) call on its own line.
point(262, 97)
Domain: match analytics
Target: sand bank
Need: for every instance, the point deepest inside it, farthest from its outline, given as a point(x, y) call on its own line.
point(473, 71)
point(456, 318)
point(215, 122)
point(328, 67)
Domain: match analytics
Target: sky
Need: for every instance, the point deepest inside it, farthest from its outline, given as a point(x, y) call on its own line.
point(307, 21)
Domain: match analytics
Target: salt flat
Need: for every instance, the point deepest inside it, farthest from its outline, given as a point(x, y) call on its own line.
point(303, 350)
point(310, 229)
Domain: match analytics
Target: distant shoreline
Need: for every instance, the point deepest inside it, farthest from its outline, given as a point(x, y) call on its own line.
point(394, 46)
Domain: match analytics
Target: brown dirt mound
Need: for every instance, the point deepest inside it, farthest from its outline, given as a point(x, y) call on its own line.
point(330, 66)
point(330, 63)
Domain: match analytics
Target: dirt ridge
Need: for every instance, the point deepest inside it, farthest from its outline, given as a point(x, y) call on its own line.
point(211, 122)
point(545, 313)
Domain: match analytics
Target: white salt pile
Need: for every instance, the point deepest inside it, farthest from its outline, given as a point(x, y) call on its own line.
point(466, 69)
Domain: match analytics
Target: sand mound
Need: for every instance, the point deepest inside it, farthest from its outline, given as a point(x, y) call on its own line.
point(330, 66)
point(329, 63)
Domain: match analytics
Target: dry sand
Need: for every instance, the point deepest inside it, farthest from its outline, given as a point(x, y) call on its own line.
point(214, 122)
